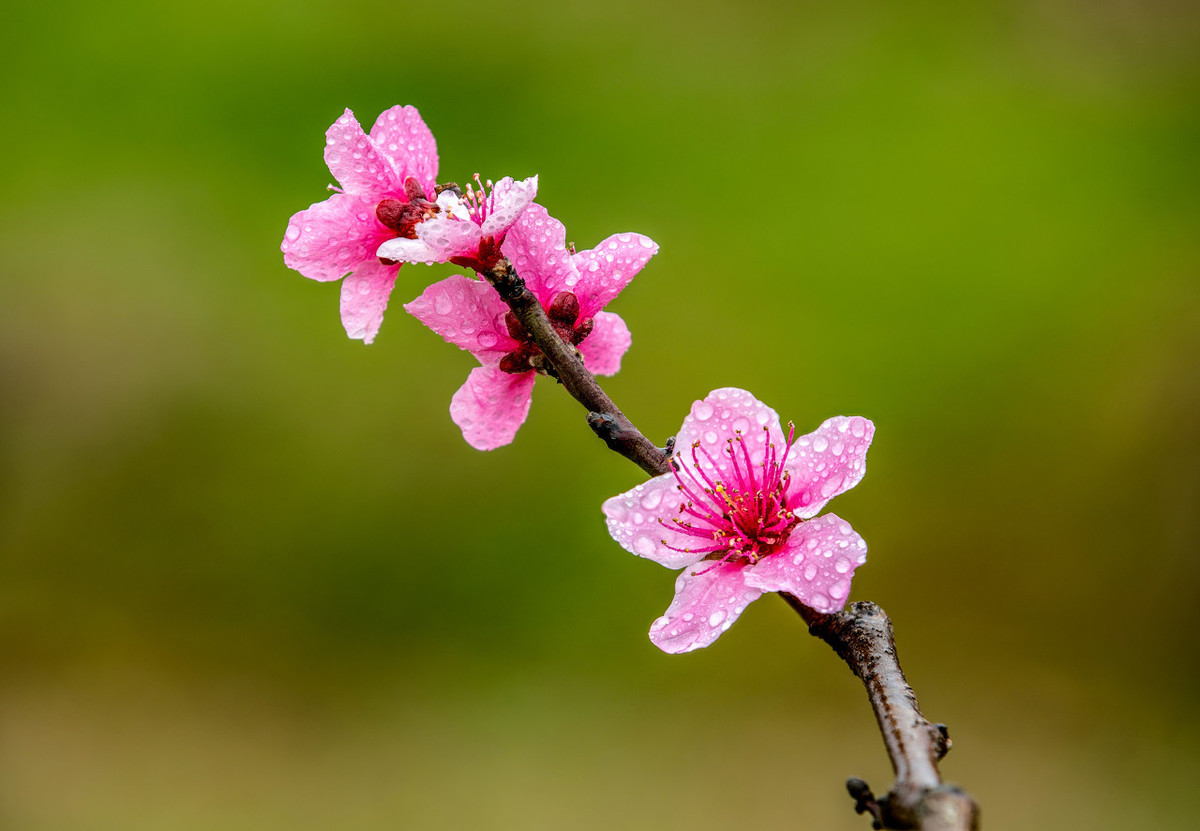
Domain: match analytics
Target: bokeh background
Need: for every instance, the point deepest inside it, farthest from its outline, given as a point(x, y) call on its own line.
point(252, 578)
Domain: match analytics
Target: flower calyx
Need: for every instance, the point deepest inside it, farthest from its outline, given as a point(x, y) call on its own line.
point(563, 313)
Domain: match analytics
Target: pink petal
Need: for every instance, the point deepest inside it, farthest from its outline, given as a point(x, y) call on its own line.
point(509, 200)
point(603, 349)
point(492, 405)
point(356, 164)
point(720, 417)
point(401, 134)
point(404, 250)
point(828, 461)
point(815, 566)
point(537, 247)
point(365, 295)
point(708, 599)
point(640, 521)
point(467, 313)
point(448, 237)
point(607, 269)
point(332, 238)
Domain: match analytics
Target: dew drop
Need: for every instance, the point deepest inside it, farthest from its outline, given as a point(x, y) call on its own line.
point(651, 499)
point(711, 437)
point(702, 410)
point(643, 546)
point(842, 565)
point(810, 571)
point(831, 486)
point(716, 617)
point(820, 443)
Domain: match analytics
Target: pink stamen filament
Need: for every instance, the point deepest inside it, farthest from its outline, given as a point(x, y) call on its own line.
point(748, 518)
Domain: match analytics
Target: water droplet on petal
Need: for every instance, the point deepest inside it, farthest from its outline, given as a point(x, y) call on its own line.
point(831, 486)
point(651, 499)
point(820, 443)
point(842, 565)
point(643, 546)
point(442, 305)
point(716, 617)
point(810, 571)
point(702, 410)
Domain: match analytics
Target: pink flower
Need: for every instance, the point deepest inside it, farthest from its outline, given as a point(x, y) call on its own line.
point(388, 191)
point(573, 288)
point(737, 515)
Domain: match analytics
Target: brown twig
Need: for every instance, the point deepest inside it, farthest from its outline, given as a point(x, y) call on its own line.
point(861, 633)
point(604, 416)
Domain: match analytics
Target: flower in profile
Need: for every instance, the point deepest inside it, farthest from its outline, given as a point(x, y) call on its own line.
point(573, 288)
point(466, 229)
point(738, 513)
point(389, 193)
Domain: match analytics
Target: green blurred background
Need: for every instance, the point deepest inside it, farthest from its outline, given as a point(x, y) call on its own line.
point(252, 578)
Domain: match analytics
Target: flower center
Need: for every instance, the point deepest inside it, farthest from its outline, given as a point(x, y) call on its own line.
point(564, 317)
point(403, 216)
point(743, 518)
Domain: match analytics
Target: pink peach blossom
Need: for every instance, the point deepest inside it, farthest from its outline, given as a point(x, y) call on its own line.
point(738, 513)
point(572, 287)
point(388, 195)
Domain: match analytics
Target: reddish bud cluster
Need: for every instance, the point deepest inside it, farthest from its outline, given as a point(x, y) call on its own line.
point(564, 317)
point(404, 217)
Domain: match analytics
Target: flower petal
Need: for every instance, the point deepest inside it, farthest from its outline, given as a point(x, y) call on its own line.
point(332, 238)
point(365, 296)
point(603, 349)
point(719, 417)
point(640, 521)
point(467, 313)
point(492, 405)
point(509, 201)
point(356, 164)
point(815, 566)
point(537, 247)
point(401, 134)
point(708, 599)
point(404, 250)
point(828, 461)
point(448, 237)
point(607, 269)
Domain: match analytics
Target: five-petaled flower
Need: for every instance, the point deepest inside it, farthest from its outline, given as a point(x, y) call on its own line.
point(573, 288)
point(389, 194)
point(737, 515)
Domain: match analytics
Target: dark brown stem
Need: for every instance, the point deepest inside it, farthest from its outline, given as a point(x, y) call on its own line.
point(604, 416)
point(861, 634)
